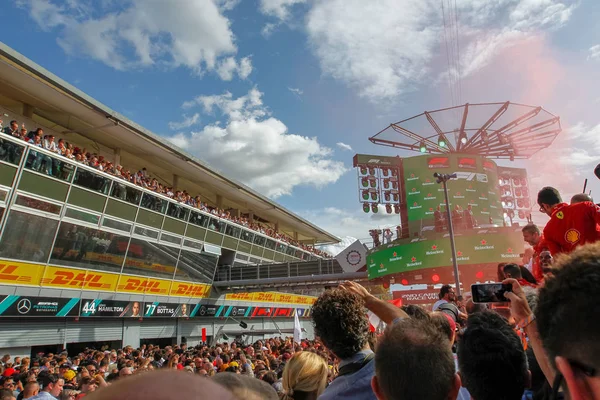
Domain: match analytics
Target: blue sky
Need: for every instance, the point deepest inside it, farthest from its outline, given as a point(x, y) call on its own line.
point(280, 83)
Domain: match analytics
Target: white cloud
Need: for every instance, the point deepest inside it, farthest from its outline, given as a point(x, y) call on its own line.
point(297, 92)
point(344, 146)
point(279, 9)
point(186, 123)
point(390, 47)
point(227, 5)
point(594, 52)
point(268, 29)
point(256, 148)
point(143, 33)
point(228, 67)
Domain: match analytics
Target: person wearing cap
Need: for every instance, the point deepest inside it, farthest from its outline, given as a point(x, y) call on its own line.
point(69, 377)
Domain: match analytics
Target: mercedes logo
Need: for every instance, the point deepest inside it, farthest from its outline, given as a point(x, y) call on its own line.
point(234, 312)
point(202, 310)
point(24, 306)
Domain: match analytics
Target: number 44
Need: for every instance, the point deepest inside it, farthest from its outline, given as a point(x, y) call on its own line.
point(89, 307)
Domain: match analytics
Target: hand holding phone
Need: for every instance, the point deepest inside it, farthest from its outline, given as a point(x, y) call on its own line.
point(490, 292)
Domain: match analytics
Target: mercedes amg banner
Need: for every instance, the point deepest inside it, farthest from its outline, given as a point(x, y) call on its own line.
point(27, 306)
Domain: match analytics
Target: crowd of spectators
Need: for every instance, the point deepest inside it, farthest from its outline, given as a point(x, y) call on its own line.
point(541, 345)
point(42, 163)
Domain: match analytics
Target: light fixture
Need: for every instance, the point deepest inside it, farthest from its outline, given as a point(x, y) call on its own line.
point(441, 141)
point(422, 147)
point(462, 137)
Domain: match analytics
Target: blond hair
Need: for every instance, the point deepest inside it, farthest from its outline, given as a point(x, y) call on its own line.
point(305, 372)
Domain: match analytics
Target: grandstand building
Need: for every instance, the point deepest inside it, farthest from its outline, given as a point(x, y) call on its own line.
point(87, 257)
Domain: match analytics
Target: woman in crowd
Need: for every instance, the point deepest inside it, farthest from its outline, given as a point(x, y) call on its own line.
point(304, 377)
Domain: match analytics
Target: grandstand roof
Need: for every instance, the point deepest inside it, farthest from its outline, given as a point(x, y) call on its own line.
point(86, 122)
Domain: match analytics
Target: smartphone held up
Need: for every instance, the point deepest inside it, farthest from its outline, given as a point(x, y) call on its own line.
point(490, 292)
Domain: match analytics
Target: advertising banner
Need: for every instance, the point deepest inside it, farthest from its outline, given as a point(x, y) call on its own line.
point(500, 246)
point(353, 257)
point(72, 278)
point(188, 289)
point(156, 309)
point(111, 308)
point(18, 273)
point(143, 285)
point(271, 297)
point(476, 185)
point(417, 296)
point(28, 306)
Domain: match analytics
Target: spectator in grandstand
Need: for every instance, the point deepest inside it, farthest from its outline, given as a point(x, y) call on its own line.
point(414, 361)
point(244, 387)
point(12, 129)
point(533, 237)
point(304, 376)
point(52, 386)
point(492, 362)
point(570, 225)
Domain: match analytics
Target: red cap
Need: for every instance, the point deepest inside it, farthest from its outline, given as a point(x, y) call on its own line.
point(9, 372)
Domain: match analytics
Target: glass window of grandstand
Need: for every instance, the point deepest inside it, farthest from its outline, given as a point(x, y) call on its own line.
point(281, 247)
point(84, 247)
point(82, 216)
point(177, 211)
point(49, 165)
point(188, 243)
point(199, 219)
point(259, 240)
point(150, 259)
point(115, 224)
point(154, 203)
point(148, 233)
point(290, 251)
point(196, 267)
point(216, 225)
point(3, 195)
point(125, 192)
point(10, 152)
point(247, 236)
point(232, 230)
point(36, 204)
point(165, 237)
point(92, 181)
point(270, 244)
point(27, 237)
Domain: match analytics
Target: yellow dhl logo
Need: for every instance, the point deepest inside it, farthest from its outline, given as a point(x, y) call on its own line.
point(183, 289)
point(76, 279)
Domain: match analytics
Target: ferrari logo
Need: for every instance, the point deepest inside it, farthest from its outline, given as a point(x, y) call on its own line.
point(560, 215)
point(572, 236)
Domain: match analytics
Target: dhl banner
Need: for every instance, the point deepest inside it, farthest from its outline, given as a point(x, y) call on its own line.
point(17, 273)
point(271, 297)
point(187, 289)
point(143, 285)
point(71, 278)
point(20, 273)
